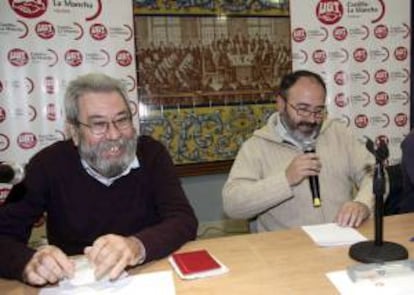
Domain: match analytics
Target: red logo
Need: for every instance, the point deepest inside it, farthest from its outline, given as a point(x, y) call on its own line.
point(123, 58)
point(329, 12)
point(381, 76)
point(2, 115)
point(299, 35)
point(51, 112)
point(319, 56)
point(361, 121)
point(73, 57)
point(340, 78)
point(26, 140)
point(381, 31)
point(49, 85)
point(45, 30)
point(382, 98)
point(18, 57)
point(341, 100)
point(98, 32)
point(401, 53)
point(340, 33)
point(29, 8)
point(401, 119)
point(360, 54)
point(4, 142)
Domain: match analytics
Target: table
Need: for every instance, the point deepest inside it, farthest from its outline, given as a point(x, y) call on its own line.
point(282, 262)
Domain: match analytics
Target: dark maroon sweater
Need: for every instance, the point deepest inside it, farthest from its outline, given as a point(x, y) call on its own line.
point(148, 203)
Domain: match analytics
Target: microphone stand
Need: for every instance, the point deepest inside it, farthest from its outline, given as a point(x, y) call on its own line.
point(378, 251)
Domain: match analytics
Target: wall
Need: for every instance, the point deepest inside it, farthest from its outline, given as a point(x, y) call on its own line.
point(204, 194)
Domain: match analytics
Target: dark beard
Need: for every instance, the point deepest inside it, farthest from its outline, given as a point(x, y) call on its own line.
point(104, 167)
point(295, 133)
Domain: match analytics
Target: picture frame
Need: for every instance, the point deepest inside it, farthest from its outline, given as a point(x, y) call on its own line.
point(206, 82)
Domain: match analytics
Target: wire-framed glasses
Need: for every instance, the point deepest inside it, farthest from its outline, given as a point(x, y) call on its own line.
point(305, 113)
point(101, 127)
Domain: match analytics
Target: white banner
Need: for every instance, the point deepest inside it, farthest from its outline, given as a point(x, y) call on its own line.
point(362, 50)
point(43, 45)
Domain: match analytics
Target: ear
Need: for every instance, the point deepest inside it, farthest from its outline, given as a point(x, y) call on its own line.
point(280, 102)
point(73, 133)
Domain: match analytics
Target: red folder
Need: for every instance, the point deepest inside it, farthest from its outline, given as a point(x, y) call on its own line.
point(195, 261)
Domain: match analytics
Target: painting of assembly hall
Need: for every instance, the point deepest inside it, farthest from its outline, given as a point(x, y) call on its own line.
point(190, 60)
point(206, 83)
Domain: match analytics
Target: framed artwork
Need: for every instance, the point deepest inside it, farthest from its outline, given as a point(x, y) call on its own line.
point(212, 7)
point(205, 83)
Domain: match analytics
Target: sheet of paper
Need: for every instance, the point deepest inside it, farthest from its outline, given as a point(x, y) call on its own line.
point(144, 284)
point(331, 234)
point(383, 286)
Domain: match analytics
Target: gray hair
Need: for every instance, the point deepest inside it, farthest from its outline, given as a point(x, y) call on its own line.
point(92, 82)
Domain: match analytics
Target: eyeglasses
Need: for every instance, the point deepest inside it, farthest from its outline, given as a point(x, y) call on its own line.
point(305, 113)
point(101, 127)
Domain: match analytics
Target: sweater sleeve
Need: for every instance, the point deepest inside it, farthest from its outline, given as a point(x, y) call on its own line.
point(246, 182)
point(177, 222)
point(17, 219)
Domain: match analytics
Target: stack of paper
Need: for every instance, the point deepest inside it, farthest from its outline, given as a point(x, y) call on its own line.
point(398, 285)
point(331, 234)
point(161, 282)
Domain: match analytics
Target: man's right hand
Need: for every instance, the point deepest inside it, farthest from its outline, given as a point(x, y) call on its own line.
point(303, 166)
point(48, 265)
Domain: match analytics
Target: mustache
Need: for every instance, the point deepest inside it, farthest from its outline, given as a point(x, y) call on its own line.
point(307, 124)
point(109, 144)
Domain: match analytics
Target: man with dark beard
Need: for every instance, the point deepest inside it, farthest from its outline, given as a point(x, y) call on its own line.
point(268, 182)
point(107, 193)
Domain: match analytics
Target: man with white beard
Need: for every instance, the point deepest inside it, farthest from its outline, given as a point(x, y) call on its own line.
point(107, 192)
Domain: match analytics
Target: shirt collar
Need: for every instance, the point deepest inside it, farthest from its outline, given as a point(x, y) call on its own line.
point(105, 180)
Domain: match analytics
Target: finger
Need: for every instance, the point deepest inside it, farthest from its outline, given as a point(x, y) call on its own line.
point(34, 279)
point(118, 269)
point(65, 265)
point(46, 273)
point(105, 265)
point(96, 249)
point(352, 219)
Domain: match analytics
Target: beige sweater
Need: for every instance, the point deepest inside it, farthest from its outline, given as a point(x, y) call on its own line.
point(257, 186)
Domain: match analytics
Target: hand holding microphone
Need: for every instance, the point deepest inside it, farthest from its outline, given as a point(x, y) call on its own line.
point(313, 179)
point(306, 165)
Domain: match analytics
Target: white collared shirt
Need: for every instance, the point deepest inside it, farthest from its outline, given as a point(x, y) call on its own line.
point(105, 180)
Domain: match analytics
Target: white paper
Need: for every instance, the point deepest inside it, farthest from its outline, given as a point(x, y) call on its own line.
point(144, 284)
point(403, 285)
point(331, 234)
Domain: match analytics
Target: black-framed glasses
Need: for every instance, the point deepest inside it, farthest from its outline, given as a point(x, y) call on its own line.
point(305, 113)
point(101, 127)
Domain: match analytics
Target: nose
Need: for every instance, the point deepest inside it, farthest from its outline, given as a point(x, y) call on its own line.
point(112, 132)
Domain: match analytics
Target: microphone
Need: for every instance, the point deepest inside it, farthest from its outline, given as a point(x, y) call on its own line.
point(309, 147)
point(11, 173)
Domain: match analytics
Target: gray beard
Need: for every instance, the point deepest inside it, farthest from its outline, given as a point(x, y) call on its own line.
point(298, 136)
point(104, 167)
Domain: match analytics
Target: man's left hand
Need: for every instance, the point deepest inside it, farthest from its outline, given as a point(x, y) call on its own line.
point(352, 214)
point(111, 254)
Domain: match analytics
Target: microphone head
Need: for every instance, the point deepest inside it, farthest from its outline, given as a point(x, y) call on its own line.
point(11, 173)
point(309, 146)
point(369, 144)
